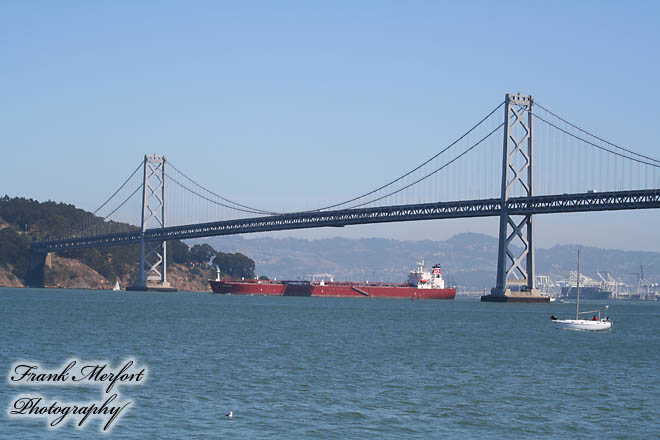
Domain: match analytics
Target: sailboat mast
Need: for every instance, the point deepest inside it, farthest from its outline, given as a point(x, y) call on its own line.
point(577, 303)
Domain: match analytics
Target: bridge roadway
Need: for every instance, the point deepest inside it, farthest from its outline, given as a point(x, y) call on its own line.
point(582, 202)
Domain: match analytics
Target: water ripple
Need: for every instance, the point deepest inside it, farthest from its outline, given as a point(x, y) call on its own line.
point(342, 368)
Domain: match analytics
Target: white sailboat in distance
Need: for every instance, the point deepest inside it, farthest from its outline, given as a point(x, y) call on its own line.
point(116, 288)
point(595, 323)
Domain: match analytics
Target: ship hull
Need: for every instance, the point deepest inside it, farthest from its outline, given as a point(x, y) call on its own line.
point(585, 293)
point(247, 288)
point(337, 290)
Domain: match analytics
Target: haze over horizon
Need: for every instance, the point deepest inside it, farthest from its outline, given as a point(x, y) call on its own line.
point(285, 235)
point(288, 105)
point(467, 259)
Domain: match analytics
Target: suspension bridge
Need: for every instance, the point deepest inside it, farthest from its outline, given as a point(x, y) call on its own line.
point(519, 160)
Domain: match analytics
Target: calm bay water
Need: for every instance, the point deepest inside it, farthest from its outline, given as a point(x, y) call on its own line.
point(325, 368)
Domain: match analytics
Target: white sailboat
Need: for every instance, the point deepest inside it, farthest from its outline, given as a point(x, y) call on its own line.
point(116, 288)
point(595, 323)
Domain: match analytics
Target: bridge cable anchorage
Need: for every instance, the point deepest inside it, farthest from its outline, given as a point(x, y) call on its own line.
point(594, 136)
point(251, 210)
point(656, 165)
point(215, 201)
point(432, 172)
point(414, 169)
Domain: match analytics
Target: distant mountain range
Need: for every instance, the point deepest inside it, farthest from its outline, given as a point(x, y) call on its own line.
point(469, 260)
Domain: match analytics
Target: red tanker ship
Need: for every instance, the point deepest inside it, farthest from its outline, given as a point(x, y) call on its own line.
point(420, 285)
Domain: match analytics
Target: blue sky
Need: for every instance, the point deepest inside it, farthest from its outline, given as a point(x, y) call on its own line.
point(281, 104)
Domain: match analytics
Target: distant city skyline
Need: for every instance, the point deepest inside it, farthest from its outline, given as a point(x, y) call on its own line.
point(280, 105)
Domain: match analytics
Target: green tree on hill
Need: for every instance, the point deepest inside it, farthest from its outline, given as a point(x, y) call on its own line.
point(14, 252)
point(235, 265)
point(201, 254)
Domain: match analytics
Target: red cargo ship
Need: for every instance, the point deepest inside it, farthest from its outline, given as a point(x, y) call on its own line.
point(420, 285)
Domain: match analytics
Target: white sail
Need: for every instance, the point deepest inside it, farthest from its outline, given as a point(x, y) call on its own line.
point(116, 288)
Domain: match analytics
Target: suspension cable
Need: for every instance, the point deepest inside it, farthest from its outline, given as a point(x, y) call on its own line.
point(120, 188)
point(250, 209)
point(435, 171)
point(124, 202)
point(594, 136)
point(416, 168)
point(215, 201)
point(599, 146)
point(103, 219)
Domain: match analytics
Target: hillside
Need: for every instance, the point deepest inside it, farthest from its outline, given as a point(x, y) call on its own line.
point(73, 274)
point(24, 220)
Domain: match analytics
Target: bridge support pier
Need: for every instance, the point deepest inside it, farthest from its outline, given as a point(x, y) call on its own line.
point(152, 274)
point(516, 269)
point(36, 265)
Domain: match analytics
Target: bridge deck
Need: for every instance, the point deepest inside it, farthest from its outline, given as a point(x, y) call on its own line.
point(583, 202)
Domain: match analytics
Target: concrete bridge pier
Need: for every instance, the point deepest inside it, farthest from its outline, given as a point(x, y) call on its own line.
point(36, 266)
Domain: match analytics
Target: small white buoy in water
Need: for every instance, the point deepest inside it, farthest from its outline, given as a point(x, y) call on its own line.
point(230, 414)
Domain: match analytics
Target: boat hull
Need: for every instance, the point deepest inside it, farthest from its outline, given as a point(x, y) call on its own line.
point(332, 289)
point(582, 324)
point(247, 288)
point(596, 293)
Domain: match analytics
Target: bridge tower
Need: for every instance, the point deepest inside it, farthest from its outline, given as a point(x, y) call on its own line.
point(152, 273)
point(515, 267)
